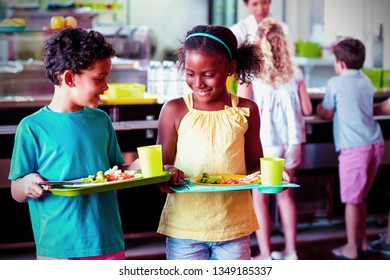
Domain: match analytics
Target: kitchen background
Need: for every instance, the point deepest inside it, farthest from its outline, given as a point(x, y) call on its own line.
point(146, 33)
point(166, 22)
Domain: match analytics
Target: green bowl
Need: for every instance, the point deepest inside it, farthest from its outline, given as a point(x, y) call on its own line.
point(385, 79)
point(308, 49)
point(375, 75)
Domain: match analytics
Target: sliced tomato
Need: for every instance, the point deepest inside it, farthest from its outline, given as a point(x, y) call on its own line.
point(230, 181)
point(119, 177)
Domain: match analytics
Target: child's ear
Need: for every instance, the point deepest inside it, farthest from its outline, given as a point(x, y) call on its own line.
point(232, 67)
point(68, 78)
point(342, 64)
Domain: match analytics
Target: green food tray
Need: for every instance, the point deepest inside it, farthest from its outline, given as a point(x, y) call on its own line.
point(188, 187)
point(110, 186)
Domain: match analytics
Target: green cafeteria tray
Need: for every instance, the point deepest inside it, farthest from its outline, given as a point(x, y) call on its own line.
point(110, 186)
point(188, 187)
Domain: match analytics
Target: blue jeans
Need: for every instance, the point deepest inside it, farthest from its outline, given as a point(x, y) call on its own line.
point(186, 249)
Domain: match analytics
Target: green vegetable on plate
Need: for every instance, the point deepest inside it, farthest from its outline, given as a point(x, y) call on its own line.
point(99, 177)
point(208, 179)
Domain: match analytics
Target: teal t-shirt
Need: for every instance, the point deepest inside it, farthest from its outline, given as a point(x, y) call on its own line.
point(66, 146)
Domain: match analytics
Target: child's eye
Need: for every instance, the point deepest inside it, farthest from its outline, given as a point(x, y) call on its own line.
point(189, 74)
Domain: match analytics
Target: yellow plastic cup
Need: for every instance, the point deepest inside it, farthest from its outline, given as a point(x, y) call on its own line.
point(150, 158)
point(271, 171)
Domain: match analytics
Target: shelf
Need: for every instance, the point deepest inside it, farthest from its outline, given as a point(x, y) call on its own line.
point(326, 61)
point(3, 31)
point(118, 126)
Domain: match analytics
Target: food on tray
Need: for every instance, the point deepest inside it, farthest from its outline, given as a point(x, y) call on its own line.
point(219, 179)
point(99, 177)
point(115, 174)
point(253, 177)
point(112, 174)
point(207, 179)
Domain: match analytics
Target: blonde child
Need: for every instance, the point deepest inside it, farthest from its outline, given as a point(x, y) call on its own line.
point(283, 100)
point(214, 131)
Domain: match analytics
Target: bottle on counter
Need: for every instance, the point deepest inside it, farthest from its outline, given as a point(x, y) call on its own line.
point(377, 48)
point(170, 77)
point(182, 87)
point(165, 80)
point(160, 81)
point(151, 77)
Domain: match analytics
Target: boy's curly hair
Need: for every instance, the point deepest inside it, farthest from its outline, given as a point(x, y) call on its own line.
point(74, 49)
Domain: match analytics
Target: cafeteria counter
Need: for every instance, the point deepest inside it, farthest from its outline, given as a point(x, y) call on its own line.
point(118, 126)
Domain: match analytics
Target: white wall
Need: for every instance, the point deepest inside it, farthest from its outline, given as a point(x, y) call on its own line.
point(169, 20)
point(302, 15)
point(360, 19)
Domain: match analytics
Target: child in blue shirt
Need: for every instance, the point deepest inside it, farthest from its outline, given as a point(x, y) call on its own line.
point(69, 139)
point(358, 138)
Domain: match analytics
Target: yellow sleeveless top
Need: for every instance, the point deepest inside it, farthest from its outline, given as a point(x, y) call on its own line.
point(212, 142)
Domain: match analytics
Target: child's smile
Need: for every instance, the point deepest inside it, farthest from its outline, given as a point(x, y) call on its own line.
point(206, 74)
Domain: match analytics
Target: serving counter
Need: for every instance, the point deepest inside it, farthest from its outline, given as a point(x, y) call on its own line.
point(136, 125)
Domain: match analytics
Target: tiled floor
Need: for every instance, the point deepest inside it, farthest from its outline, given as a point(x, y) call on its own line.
point(314, 242)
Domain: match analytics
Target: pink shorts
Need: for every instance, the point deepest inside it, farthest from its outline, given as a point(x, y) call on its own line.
point(114, 256)
point(357, 170)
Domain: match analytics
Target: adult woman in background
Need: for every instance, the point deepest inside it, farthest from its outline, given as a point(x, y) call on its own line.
point(247, 28)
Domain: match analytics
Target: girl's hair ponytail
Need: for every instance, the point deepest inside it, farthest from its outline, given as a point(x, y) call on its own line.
point(250, 63)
